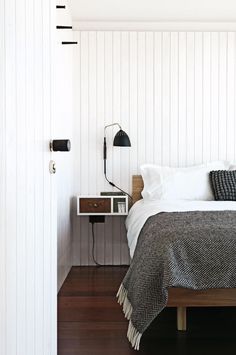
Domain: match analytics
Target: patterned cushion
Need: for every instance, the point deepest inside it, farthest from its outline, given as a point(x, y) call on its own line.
point(224, 184)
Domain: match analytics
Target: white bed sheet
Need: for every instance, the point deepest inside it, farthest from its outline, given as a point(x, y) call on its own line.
point(144, 209)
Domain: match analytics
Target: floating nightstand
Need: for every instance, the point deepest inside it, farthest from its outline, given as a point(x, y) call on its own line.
point(115, 205)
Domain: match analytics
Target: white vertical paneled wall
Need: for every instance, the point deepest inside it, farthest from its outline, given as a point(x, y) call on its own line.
point(173, 92)
point(27, 219)
point(63, 129)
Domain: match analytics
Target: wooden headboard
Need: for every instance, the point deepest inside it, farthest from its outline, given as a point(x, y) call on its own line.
point(137, 187)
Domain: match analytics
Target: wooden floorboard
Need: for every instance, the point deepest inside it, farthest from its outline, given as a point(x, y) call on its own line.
point(90, 322)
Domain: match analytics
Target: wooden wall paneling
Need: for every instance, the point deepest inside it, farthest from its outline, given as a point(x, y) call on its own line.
point(49, 193)
point(109, 242)
point(28, 323)
point(108, 106)
point(84, 118)
point(2, 180)
point(182, 78)
point(100, 103)
point(124, 252)
point(133, 95)
point(115, 240)
point(38, 136)
point(109, 117)
point(100, 243)
point(114, 153)
point(198, 93)
point(124, 105)
point(230, 96)
point(21, 168)
point(190, 99)
point(158, 107)
point(63, 127)
point(149, 97)
point(173, 92)
point(83, 235)
point(214, 95)
point(206, 88)
point(30, 221)
point(89, 241)
point(141, 147)
point(84, 156)
point(92, 109)
point(174, 98)
point(76, 250)
point(100, 110)
point(223, 115)
point(11, 177)
point(125, 123)
point(115, 162)
point(234, 90)
point(166, 62)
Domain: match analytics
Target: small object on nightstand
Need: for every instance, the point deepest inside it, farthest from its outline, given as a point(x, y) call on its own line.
point(121, 207)
point(111, 193)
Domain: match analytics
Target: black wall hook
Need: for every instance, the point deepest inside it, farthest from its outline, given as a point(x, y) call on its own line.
point(69, 42)
point(64, 27)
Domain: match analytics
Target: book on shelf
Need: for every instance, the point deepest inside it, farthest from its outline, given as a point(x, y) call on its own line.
point(111, 193)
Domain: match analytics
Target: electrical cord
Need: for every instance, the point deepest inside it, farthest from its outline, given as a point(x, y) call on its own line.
point(93, 250)
point(93, 247)
point(113, 185)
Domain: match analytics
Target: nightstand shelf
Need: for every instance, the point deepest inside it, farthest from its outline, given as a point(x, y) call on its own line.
point(115, 205)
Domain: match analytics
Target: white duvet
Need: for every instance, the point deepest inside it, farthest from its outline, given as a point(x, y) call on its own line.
point(144, 209)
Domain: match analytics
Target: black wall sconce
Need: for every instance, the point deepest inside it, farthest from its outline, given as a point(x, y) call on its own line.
point(60, 145)
point(121, 139)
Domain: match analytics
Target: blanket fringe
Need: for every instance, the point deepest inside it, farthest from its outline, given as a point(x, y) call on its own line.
point(133, 334)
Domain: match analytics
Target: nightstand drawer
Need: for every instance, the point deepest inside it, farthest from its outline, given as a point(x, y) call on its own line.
point(95, 205)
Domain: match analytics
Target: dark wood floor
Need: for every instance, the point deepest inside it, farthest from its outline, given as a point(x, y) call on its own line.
point(90, 322)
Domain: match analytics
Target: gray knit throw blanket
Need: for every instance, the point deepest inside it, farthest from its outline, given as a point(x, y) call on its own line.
point(195, 250)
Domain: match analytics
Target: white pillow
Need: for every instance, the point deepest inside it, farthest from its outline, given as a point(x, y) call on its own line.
point(232, 166)
point(165, 183)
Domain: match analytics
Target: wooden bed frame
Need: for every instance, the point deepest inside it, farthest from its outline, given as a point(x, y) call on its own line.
point(181, 297)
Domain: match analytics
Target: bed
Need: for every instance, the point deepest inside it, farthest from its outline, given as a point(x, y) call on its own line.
point(178, 297)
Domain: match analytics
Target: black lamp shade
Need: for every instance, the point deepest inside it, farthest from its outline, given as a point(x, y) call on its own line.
point(121, 139)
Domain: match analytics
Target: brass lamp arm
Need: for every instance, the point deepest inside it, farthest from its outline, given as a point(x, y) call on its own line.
point(110, 125)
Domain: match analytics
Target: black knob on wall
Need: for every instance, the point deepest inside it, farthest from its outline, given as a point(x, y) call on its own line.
point(60, 145)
